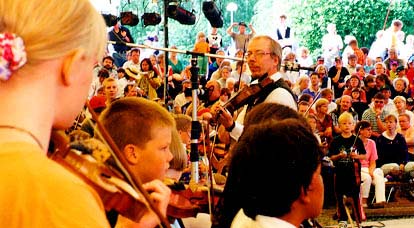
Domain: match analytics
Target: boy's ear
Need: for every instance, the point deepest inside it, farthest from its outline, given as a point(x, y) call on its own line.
point(71, 64)
point(304, 197)
point(131, 154)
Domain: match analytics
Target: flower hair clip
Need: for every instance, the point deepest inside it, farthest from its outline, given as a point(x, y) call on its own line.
point(12, 54)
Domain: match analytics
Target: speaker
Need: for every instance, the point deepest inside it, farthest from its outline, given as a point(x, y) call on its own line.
point(128, 18)
point(110, 20)
point(213, 14)
point(151, 19)
point(181, 15)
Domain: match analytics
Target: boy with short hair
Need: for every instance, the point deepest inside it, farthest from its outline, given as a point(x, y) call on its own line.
point(142, 130)
point(346, 150)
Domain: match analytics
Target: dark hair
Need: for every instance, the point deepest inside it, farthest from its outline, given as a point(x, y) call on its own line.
point(379, 95)
point(365, 50)
point(120, 69)
point(108, 57)
point(225, 91)
point(252, 162)
point(384, 78)
point(269, 111)
point(363, 124)
point(264, 116)
point(129, 87)
point(305, 97)
point(150, 66)
point(103, 73)
point(369, 78)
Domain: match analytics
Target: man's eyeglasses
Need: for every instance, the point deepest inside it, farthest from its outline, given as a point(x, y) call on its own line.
point(379, 102)
point(257, 54)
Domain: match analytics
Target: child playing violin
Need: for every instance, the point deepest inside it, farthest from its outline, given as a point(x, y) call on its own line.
point(142, 130)
point(346, 150)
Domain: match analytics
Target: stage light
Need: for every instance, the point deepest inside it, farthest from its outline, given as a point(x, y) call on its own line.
point(213, 14)
point(110, 20)
point(151, 19)
point(128, 18)
point(183, 16)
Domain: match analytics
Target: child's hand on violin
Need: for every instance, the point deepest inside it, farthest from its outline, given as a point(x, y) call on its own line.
point(159, 194)
point(354, 155)
point(343, 154)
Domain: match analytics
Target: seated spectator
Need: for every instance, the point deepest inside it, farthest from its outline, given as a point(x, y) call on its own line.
point(355, 83)
point(357, 104)
point(369, 171)
point(407, 130)
point(301, 84)
point(313, 89)
point(392, 150)
point(323, 120)
point(401, 107)
point(345, 105)
point(375, 115)
point(370, 87)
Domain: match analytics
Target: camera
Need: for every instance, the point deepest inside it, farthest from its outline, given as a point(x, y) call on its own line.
point(202, 93)
point(289, 66)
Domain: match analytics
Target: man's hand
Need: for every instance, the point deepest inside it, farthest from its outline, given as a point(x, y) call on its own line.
point(224, 117)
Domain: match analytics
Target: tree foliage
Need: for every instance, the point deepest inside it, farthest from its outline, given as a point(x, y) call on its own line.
point(360, 18)
point(309, 18)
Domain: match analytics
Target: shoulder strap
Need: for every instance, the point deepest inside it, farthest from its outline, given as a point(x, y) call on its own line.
point(277, 84)
point(287, 35)
point(279, 35)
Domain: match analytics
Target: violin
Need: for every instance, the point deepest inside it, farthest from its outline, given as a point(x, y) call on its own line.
point(248, 94)
point(117, 188)
point(115, 192)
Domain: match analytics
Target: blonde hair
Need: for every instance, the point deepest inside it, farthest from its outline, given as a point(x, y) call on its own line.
point(107, 80)
point(401, 98)
point(182, 122)
point(345, 116)
point(320, 102)
point(52, 29)
point(179, 161)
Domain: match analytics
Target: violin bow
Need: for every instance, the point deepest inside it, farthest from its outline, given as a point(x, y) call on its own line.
point(210, 165)
point(313, 102)
point(356, 138)
point(242, 63)
point(120, 160)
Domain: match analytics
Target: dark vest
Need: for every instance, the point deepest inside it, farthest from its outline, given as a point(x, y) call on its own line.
point(287, 34)
point(268, 89)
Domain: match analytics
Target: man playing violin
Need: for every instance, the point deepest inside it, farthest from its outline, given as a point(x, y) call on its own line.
point(264, 56)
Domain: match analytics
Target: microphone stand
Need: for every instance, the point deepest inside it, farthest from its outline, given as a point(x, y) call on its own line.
point(195, 125)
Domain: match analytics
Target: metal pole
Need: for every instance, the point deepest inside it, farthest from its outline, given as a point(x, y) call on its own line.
point(166, 44)
point(176, 50)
